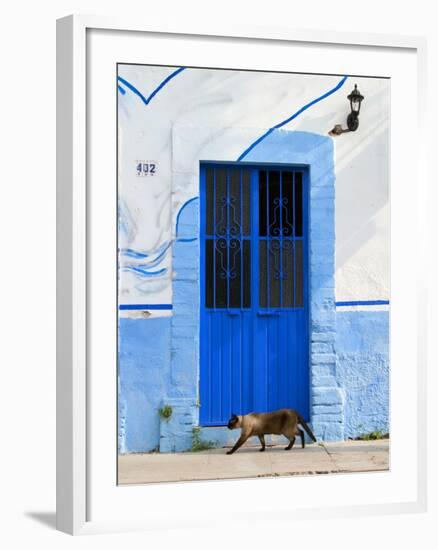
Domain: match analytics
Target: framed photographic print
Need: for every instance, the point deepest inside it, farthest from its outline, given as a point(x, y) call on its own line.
point(239, 250)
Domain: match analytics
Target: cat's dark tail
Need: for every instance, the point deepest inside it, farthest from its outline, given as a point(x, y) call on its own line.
point(306, 427)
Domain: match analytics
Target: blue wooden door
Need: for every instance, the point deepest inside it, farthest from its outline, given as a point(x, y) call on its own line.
point(254, 290)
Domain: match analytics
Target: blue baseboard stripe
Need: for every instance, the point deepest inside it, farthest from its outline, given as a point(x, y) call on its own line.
point(364, 303)
point(169, 306)
point(145, 306)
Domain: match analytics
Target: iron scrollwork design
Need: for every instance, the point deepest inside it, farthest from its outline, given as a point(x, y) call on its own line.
point(228, 266)
point(281, 226)
point(280, 266)
point(228, 220)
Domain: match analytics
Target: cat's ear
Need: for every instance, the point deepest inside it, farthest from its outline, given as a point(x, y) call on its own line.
point(233, 415)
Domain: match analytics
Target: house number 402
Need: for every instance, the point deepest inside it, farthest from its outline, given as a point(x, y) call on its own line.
point(147, 168)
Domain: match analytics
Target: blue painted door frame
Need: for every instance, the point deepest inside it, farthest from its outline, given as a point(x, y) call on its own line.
point(254, 333)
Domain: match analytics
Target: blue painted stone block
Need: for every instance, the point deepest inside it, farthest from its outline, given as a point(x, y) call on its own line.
point(185, 256)
point(321, 358)
point(323, 381)
point(327, 409)
point(188, 308)
point(183, 332)
point(181, 320)
point(322, 370)
point(322, 347)
point(324, 303)
point(319, 418)
point(328, 337)
point(184, 292)
point(188, 221)
point(186, 274)
point(328, 431)
point(176, 432)
point(319, 282)
point(322, 193)
point(327, 396)
point(322, 324)
point(325, 228)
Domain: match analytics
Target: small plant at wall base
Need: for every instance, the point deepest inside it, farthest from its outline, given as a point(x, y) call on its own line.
point(199, 444)
point(165, 412)
point(372, 436)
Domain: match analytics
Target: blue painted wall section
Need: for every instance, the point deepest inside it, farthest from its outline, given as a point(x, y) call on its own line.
point(363, 369)
point(159, 358)
point(144, 379)
point(176, 434)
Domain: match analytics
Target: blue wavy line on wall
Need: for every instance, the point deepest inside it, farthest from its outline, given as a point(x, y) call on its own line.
point(161, 250)
point(146, 100)
point(297, 113)
point(143, 272)
point(152, 263)
point(131, 253)
point(183, 239)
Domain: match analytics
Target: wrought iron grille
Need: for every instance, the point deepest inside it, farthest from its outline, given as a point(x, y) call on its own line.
point(280, 199)
point(228, 251)
point(253, 233)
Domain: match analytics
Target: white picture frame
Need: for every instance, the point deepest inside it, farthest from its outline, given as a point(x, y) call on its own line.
point(78, 445)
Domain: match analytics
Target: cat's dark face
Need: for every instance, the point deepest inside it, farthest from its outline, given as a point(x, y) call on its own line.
point(233, 422)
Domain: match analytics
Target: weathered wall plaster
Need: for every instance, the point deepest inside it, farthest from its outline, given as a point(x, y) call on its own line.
point(362, 370)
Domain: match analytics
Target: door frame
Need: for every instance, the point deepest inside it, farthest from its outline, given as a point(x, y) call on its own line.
point(305, 168)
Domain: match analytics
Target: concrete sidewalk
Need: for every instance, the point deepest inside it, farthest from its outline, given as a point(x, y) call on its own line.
point(248, 462)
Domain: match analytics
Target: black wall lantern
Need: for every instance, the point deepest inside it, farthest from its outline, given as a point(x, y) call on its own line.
point(355, 98)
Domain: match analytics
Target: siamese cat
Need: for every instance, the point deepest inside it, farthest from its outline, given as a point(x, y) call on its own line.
point(283, 422)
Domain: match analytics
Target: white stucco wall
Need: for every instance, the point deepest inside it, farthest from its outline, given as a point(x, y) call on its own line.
point(216, 115)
